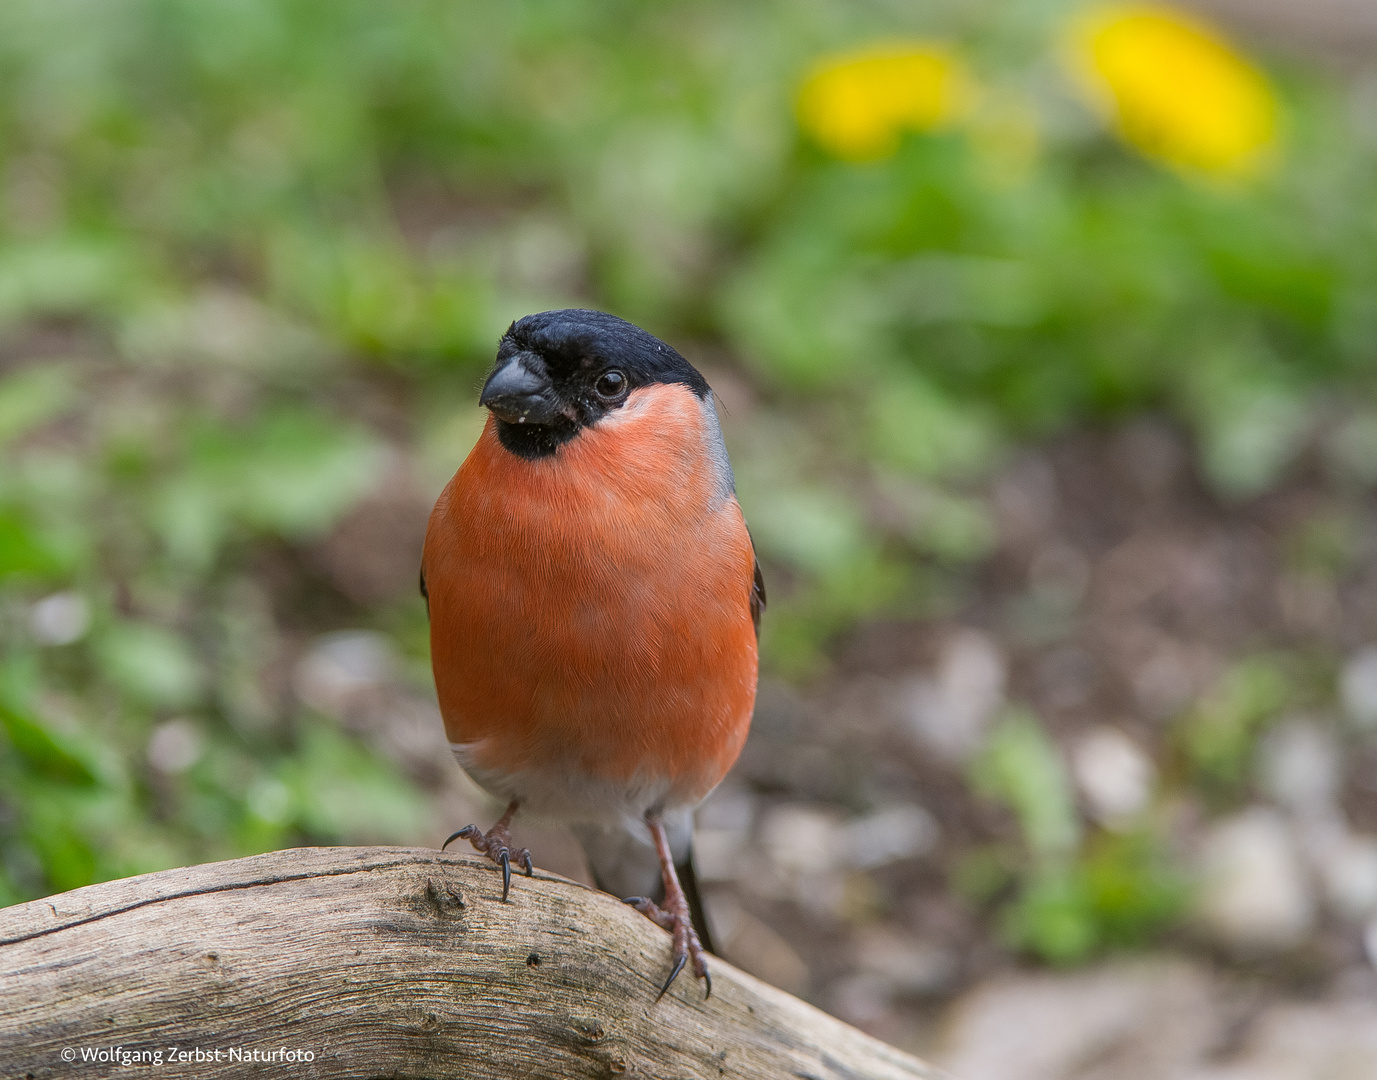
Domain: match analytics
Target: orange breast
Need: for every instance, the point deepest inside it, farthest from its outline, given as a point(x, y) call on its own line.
point(590, 611)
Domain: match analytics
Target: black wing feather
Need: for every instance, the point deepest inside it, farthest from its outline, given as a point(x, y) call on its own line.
point(757, 591)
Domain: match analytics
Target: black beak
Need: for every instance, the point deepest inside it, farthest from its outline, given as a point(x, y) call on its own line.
point(520, 392)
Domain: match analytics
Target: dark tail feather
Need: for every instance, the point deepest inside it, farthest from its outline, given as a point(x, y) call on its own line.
point(688, 879)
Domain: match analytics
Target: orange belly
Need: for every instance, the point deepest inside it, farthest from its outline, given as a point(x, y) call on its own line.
point(590, 611)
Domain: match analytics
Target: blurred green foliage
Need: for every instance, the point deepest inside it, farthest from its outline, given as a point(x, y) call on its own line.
point(1073, 893)
point(1022, 767)
point(217, 215)
point(1219, 734)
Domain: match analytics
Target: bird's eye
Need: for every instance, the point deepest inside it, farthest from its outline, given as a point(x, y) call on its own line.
point(610, 385)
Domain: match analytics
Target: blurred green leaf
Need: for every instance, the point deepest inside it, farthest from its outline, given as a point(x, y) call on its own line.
point(192, 518)
point(45, 752)
point(939, 288)
point(23, 552)
point(956, 529)
point(293, 473)
point(1219, 733)
point(805, 333)
point(149, 663)
point(1022, 767)
point(913, 427)
point(951, 527)
point(813, 528)
point(338, 790)
point(1133, 887)
point(1120, 893)
point(1053, 917)
point(59, 276)
point(33, 396)
point(67, 857)
point(1251, 434)
point(799, 627)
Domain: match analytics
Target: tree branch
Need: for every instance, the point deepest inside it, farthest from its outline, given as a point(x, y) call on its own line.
point(395, 962)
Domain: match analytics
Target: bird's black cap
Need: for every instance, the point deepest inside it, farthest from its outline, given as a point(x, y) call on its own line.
point(560, 371)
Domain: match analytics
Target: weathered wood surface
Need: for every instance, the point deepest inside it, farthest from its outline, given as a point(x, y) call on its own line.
point(385, 962)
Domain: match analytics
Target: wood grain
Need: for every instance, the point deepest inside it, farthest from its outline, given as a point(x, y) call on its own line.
point(386, 962)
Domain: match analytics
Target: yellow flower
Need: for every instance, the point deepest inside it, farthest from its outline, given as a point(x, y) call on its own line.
point(858, 105)
point(1174, 89)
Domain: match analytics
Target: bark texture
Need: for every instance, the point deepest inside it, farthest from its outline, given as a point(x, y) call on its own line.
point(385, 962)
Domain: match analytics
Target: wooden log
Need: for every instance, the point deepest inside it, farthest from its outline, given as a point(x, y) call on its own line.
point(385, 962)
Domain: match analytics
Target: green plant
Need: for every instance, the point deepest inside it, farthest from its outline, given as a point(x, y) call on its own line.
point(1073, 893)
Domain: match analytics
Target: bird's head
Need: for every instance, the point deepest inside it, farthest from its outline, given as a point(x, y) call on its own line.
point(558, 372)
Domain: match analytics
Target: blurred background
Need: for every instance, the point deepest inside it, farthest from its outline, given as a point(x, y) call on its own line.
point(1045, 336)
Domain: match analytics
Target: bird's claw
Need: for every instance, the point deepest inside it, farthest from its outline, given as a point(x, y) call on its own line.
point(496, 845)
point(680, 959)
point(652, 911)
point(686, 944)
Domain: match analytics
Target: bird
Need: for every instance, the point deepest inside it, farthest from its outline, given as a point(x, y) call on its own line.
point(595, 601)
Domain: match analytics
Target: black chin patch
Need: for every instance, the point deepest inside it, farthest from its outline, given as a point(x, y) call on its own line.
point(532, 441)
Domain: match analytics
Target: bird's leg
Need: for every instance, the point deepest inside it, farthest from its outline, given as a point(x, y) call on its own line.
point(674, 914)
point(496, 844)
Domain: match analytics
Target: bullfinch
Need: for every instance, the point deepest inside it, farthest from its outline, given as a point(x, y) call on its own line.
point(595, 605)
